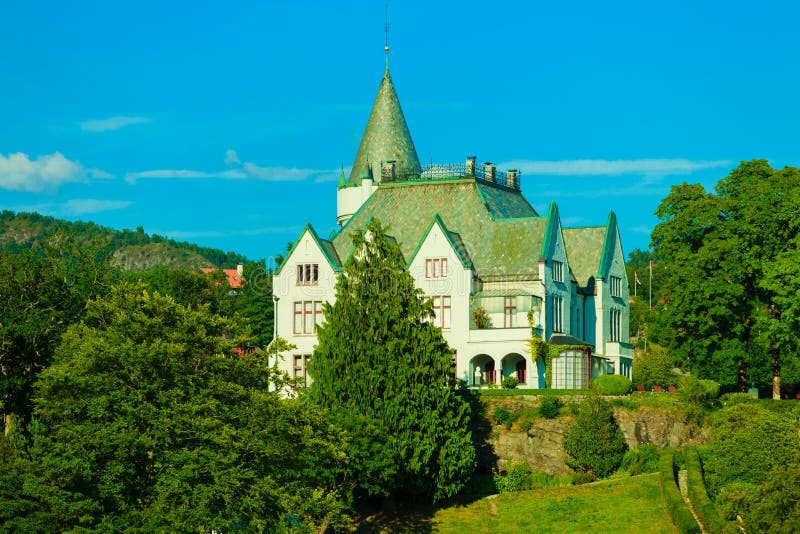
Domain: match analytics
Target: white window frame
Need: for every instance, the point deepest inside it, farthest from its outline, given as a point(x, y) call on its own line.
point(558, 271)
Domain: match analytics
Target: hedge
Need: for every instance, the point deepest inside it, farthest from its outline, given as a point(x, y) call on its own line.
point(703, 506)
point(676, 506)
point(612, 384)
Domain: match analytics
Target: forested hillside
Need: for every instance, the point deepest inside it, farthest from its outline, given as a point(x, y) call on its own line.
point(132, 249)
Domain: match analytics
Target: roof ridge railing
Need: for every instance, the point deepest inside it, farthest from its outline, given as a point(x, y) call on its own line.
point(390, 172)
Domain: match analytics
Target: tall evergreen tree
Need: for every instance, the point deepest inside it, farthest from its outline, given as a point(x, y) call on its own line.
point(384, 370)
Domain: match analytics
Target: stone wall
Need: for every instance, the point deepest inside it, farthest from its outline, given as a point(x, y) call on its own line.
point(541, 446)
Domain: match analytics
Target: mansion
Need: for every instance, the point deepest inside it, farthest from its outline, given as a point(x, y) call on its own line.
point(497, 271)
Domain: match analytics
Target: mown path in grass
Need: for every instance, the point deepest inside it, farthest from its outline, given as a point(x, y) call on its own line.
point(616, 506)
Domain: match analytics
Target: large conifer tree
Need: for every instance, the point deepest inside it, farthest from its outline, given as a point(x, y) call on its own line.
point(384, 371)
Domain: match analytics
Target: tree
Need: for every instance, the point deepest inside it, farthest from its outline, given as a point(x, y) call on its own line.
point(719, 312)
point(45, 289)
point(147, 420)
point(383, 365)
point(594, 444)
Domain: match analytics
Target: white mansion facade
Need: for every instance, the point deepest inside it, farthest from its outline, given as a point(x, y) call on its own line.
point(471, 242)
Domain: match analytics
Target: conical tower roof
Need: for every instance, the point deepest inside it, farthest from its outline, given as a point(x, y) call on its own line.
point(386, 137)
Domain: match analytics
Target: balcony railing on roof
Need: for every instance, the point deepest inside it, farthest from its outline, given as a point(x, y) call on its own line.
point(449, 171)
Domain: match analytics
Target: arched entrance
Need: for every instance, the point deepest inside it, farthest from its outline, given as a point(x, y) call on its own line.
point(515, 365)
point(482, 371)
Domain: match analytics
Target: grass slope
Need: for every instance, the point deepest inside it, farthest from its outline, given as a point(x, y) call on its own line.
point(623, 505)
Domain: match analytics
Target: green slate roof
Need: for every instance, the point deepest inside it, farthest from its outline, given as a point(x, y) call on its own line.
point(584, 251)
point(495, 228)
point(386, 137)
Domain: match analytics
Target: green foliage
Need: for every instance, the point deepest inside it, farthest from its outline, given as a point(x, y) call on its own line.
point(612, 384)
point(705, 509)
point(775, 507)
point(510, 382)
point(728, 309)
point(748, 441)
point(549, 407)
point(480, 317)
point(653, 367)
point(676, 506)
point(516, 477)
point(148, 421)
point(594, 444)
point(379, 356)
point(645, 459)
point(503, 416)
point(45, 289)
point(699, 395)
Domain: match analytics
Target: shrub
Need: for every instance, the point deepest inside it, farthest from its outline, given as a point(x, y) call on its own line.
point(510, 382)
point(676, 506)
point(549, 408)
point(642, 460)
point(730, 399)
point(594, 444)
point(480, 318)
point(747, 442)
point(503, 416)
point(654, 368)
point(699, 395)
point(516, 477)
point(612, 384)
point(525, 425)
point(776, 506)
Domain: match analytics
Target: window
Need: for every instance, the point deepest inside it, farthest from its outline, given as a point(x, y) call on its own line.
point(558, 314)
point(558, 271)
point(615, 325)
point(571, 369)
point(509, 312)
point(442, 308)
point(616, 286)
point(307, 315)
point(436, 268)
point(308, 273)
point(301, 366)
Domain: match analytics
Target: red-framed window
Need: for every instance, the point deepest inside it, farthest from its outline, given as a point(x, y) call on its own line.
point(436, 268)
point(300, 368)
point(307, 315)
point(509, 312)
point(307, 273)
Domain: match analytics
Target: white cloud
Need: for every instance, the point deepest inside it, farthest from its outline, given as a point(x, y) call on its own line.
point(81, 206)
point(194, 234)
point(241, 170)
point(45, 173)
point(600, 167)
point(112, 123)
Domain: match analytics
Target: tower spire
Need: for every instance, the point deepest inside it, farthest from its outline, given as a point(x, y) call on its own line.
point(386, 31)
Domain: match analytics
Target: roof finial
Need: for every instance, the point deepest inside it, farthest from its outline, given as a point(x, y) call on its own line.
point(386, 31)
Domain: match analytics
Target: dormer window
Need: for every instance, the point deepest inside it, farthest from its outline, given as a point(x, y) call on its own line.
point(616, 286)
point(558, 271)
point(436, 268)
point(307, 273)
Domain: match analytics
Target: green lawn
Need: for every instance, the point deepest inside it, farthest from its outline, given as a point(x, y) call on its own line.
point(616, 506)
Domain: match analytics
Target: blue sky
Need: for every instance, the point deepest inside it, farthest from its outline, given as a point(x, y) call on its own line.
point(225, 123)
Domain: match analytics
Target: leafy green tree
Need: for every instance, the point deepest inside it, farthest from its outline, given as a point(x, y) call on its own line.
point(45, 289)
point(718, 312)
point(381, 363)
point(594, 443)
point(147, 421)
point(653, 367)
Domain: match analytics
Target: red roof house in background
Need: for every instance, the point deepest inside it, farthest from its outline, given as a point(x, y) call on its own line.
point(234, 275)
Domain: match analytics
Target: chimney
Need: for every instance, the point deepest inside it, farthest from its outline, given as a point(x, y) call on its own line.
point(389, 173)
point(490, 171)
point(469, 168)
point(511, 179)
point(240, 269)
